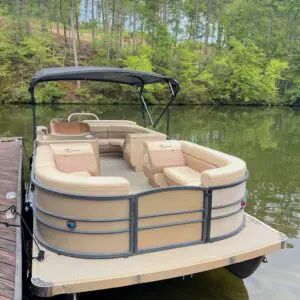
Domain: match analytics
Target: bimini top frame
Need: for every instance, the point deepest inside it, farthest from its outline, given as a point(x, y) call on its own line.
point(134, 78)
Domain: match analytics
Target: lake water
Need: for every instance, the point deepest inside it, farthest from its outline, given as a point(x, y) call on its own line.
point(268, 139)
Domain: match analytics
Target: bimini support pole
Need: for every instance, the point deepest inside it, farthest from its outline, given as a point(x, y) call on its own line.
point(168, 122)
point(166, 109)
point(31, 89)
point(144, 106)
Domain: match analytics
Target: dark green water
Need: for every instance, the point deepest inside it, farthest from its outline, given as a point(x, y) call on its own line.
point(268, 139)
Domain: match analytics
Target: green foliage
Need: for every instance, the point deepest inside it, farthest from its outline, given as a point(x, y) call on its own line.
point(242, 74)
point(142, 61)
point(293, 95)
point(150, 98)
point(221, 52)
point(50, 93)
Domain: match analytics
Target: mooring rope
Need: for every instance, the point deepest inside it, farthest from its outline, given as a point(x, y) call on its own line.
point(14, 211)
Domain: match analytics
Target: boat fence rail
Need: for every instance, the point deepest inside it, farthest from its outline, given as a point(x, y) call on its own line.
point(204, 217)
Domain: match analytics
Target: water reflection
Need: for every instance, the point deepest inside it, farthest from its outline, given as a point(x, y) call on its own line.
point(216, 284)
point(266, 138)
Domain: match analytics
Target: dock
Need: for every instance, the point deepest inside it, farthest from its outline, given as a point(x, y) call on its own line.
point(11, 193)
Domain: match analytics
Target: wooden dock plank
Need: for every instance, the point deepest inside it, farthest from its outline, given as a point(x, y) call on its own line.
point(10, 237)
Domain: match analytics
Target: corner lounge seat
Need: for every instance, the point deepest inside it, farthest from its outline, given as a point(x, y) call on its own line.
point(168, 163)
point(74, 168)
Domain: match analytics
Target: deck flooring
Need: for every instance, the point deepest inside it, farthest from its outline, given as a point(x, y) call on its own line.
point(10, 237)
point(117, 166)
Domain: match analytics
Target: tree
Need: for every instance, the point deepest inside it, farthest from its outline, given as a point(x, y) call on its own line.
point(221, 51)
point(73, 36)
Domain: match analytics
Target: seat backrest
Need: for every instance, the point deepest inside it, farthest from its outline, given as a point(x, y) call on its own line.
point(48, 171)
point(69, 128)
point(201, 158)
point(120, 131)
point(109, 122)
point(162, 154)
point(216, 168)
point(58, 120)
point(75, 157)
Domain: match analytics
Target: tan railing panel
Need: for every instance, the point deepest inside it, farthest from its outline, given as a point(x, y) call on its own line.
point(163, 220)
point(82, 208)
point(228, 195)
point(170, 201)
point(84, 243)
point(176, 207)
point(227, 225)
point(166, 236)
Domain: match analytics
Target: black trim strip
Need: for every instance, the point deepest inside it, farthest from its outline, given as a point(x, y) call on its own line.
point(79, 231)
point(80, 254)
point(205, 216)
point(36, 207)
point(231, 234)
point(132, 227)
point(135, 224)
point(231, 204)
point(208, 217)
point(172, 213)
point(228, 215)
point(170, 224)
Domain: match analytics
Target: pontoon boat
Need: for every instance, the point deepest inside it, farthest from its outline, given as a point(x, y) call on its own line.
point(117, 204)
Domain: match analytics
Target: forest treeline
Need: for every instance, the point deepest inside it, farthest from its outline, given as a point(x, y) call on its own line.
point(221, 51)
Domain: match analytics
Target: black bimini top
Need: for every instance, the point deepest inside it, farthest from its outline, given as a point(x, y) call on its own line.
point(116, 75)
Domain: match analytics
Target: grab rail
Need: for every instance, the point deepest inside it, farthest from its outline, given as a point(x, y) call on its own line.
point(82, 114)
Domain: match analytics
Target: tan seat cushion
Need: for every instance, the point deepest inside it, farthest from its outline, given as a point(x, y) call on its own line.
point(75, 157)
point(58, 120)
point(198, 164)
point(110, 122)
point(70, 128)
point(161, 159)
point(81, 173)
point(46, 172)
point(117, 142)
point(182, 175)
point(100, 131)
point(103, 142)
point(120, 131)
point(210, 158)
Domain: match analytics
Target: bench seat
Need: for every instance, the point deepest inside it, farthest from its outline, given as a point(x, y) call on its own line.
point(74, 168)
point(171, 163)
point(181, 175)
point(117, 142)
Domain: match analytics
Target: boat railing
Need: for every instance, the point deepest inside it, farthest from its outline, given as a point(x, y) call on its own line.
point(153, 220)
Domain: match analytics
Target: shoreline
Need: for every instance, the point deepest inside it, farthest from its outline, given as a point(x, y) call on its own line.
point(160, 104)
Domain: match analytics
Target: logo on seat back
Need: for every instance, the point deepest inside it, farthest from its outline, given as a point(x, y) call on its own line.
point(68, 150)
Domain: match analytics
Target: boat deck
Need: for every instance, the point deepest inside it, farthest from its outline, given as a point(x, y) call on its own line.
point(117, 166)
point(81, 275)
point(10, 237)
